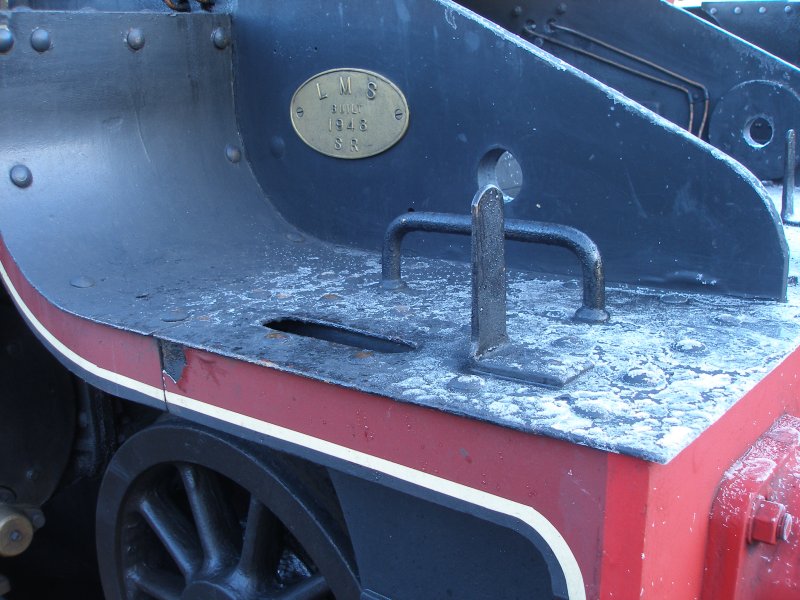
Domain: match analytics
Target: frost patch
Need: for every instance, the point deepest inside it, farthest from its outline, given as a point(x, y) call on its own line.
point(676, 437)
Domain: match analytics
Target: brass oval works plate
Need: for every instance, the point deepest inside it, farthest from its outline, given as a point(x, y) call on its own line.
point(349, 113)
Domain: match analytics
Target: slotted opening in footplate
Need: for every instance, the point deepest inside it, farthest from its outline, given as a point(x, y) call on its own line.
point(339, 334)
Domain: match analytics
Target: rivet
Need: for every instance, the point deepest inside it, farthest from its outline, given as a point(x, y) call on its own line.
point(466, 383)
point(726, 320)
point(674, 299)
point(40, 40)
point(21, 176)
point(174, 316)
point(82, 282)
point(689, 346)
point(233, 153)
point(517, 11)
point(295, 237)
point(562, 8)
point(787, 9)
point(32, 474)
point(762, 10)
point(220, 38)
point(737, 10)
point(645, 377)
point(6, 40)
point(135, 39)
point(713, 10)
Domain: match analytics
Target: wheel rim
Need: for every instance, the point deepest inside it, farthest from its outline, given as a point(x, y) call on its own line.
point(173, 525)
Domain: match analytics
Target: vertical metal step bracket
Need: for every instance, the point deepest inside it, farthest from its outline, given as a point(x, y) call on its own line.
point(492, 351)
point(488, 273)
point(788, 214)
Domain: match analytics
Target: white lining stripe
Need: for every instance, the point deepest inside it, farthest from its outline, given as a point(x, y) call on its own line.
point(526, 514)
point(97, 371)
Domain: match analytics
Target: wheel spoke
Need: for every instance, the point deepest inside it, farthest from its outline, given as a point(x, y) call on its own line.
point(261, 549)
point(158, 584)
point(297, 549)
point(213, 516)
point(174, 530)
point(312, 588)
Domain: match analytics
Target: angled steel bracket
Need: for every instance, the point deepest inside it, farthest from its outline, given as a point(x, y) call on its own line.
point(716, 86)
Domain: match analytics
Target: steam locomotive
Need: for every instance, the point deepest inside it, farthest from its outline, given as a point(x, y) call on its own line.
point(400, 299)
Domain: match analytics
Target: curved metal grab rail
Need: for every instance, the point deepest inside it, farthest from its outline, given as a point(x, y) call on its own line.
point(593, 309)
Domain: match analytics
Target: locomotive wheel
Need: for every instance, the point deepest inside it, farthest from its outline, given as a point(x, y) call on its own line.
point(188, 514)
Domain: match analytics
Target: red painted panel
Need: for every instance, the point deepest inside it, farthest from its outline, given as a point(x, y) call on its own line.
point(122, 352)
point(637, 529)
point(623, 533)
point(563, 481)
point(677, 498)
point(753, 552)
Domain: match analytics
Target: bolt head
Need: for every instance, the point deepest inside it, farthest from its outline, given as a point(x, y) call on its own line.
point(21, 176)
point(82, 282)
point(135, 39)
point(6, 40)
point(7, 496)
point(295, 237)
point(40, 40)
point(16, 533)
point(37, 519)
point(233, 153)
point(220, 38)
point(175, 316)
point(769, 522)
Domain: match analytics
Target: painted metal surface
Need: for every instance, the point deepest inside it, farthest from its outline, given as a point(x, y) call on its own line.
point(584, 150)
point(754, 545)
point(165, 299)
point(207, 267)
point(640, 498)
point(771, 25)
point(672, 62)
